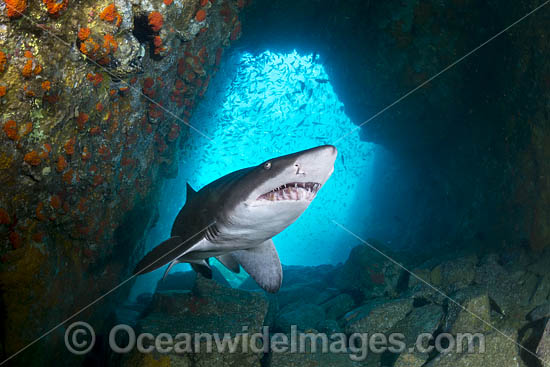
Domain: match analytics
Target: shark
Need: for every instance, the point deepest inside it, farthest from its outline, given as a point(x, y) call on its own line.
point(235, 217)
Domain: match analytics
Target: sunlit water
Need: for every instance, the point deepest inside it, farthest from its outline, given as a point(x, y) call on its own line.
point(263, 106)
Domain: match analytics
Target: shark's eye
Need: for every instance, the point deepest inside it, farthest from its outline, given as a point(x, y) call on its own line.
point(267, 165)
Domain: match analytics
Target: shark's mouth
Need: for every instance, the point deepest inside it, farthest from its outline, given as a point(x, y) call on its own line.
point(292, 191)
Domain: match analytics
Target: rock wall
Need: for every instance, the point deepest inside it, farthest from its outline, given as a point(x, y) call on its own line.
point(95, 98)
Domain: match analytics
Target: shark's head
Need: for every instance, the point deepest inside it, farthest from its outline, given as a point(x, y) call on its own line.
point(275, 193)
point(292, 179)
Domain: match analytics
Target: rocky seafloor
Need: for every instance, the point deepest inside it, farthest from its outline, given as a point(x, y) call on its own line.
point(504, 296)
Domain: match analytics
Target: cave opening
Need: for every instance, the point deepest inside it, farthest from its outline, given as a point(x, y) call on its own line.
point(262, 105)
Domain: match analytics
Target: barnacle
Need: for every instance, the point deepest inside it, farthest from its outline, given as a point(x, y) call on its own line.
point(96, 79)
point(61, 164)
point(109, 43)
point(55, 6)
point(31, 67)
point(27, 69)
point(69, 146)
point(10, 128)
point(200, 16)
point(81, 120)
point(110, 14)
point(38, 237)
point(157, 42)
point(155, 21)
point(4, 217)
point(86, 154)
point(32, 158)
point(83, 34)
point(15, 239)
point(15, 8)
point(40, 212)
point(25, 129)
point(46, 85)
point(3, 61)
point(68, 177)
point(55, 201)
point(47, 148)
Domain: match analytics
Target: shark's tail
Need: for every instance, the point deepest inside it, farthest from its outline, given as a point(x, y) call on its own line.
point(161, 255)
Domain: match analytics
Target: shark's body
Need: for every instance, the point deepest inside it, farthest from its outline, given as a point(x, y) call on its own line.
point(235, 217)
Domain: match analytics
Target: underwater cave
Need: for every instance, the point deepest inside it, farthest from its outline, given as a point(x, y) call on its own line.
point(396, 154)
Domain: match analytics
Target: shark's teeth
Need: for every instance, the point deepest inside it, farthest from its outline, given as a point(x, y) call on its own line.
point(294, 191)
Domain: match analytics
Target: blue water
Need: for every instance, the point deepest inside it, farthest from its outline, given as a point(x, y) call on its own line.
point(263, 106)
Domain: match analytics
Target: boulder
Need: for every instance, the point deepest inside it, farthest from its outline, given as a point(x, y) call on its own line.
point(296, 274)
point(541, 265)
point(543, 349)
point(296, 293)
point(338, 306)
point(315, 276)
point(371, 274)
point(377, 316)
point(539, 312)
point(500, 351)
point(312, 357)
point(325, 294)
point(305, 316)
point(542, 292)
point(470, 314)
point(511, 291)
point(454, 274)
point(411, 359)
point(421, 277)
point(208, 308)
point(425, 319)
point(185, 280)
point(329, 327)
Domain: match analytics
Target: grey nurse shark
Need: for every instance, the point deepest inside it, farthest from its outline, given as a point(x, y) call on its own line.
point(234, 218)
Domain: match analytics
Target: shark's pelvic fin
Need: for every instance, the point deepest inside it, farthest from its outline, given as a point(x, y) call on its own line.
point(203, 268)
point(229, 262)
point(174, 262)
point(164, 253)
point(263, 265)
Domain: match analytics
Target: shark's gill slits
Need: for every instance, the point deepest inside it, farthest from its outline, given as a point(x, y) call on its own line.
point(292, 191)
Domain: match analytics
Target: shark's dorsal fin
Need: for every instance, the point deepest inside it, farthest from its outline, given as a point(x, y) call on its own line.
point(190, 191)
point(263, 265)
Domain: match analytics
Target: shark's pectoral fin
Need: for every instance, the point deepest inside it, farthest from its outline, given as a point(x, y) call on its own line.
point(263, 265)
point(161, 255)
point(229, 262)
point(202, 267)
